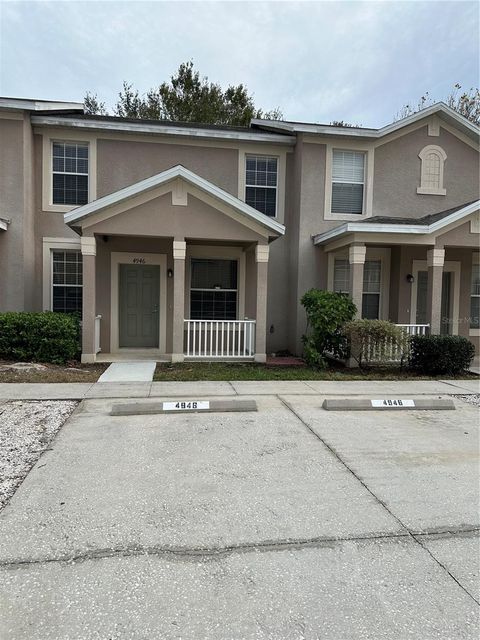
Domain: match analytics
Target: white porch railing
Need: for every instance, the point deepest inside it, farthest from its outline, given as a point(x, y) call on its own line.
point(219, 339)
point(393, 351)
point(98, 320)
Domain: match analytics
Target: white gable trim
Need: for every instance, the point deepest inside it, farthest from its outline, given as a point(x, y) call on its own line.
point(356, 227)
point(76, 216)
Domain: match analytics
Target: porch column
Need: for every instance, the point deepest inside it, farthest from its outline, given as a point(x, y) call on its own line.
point(179, 251)
point(435, 260)
point(356, 258)
point(89, 250)
point(261, 260)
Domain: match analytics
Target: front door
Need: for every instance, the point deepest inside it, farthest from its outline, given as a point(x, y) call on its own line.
point(139, 288)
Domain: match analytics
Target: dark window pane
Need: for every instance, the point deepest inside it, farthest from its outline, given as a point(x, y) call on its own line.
point(213, 274)
point(370, 306)
point(263, 200)
point(67, 299)
point(213, 305)
point(475, 312)
point(347, 198)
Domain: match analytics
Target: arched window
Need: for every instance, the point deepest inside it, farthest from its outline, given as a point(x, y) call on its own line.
point(431, 178)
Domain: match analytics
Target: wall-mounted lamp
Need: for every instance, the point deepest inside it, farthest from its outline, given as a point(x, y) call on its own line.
point(410, 278)
point(170, 273)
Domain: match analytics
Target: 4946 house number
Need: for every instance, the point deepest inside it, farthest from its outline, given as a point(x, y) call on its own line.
point(139, 261)
point(392, 403)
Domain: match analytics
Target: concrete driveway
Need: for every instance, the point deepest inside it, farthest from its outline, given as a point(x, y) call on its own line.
point(291, 522)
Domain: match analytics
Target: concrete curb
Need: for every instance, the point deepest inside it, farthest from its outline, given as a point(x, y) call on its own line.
point(365, 404)
point(148, 408)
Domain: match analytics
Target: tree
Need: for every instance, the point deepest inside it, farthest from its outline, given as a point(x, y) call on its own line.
point(93, 106)
point(187, 97)
point(466, 103)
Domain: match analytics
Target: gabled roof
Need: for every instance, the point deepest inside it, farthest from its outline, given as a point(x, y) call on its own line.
point(380, 224)
point(73, 218)
point(440, 109)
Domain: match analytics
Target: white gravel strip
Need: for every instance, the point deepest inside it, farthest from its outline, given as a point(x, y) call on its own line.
point(26, 430)
point(473, 398)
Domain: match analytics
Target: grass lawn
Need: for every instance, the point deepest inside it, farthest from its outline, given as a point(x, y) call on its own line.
point(249, 371)
point(75, 372)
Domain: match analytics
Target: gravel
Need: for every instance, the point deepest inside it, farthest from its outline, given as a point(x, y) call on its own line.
point(473, 398)
point(26, 430)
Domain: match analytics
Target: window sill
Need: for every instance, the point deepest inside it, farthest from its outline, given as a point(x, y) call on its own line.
point(60, 208)
point(474, 332)
point(345, 216)
point(431, 192)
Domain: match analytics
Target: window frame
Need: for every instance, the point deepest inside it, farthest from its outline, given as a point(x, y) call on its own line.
point(70, 173)
point(213, 290)
point(373, 293)
point(424, 189)
point(255, 186)
point(342, 181)
point(53, 285)
point(474, 331)
point(363, 147)
point(47, 169)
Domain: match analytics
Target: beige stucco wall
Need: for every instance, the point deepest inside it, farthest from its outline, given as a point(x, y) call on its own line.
point(397, 175)
point(121, 163)
point(16, 204)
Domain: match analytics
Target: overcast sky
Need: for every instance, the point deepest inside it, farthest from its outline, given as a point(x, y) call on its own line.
point(317, 61)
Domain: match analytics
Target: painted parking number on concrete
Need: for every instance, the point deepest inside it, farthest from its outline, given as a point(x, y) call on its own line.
point(394, 403)
point(190, 405)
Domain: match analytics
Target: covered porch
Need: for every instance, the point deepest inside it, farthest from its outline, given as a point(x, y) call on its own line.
point(173, 268)
point(421, 274)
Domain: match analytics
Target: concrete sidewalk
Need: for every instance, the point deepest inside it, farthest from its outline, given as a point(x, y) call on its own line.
point(80, 391)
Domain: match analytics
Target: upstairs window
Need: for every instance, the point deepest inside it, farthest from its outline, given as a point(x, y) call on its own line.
point(431, 176)
point(261, 184)
point(70, 173)
point(213, 289)
point(67, 281)
point(348, 182)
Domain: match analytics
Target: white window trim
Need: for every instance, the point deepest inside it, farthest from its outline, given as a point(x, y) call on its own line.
point(424, 153)
point(47, 169)
point(50, 245)
point(475, 260)
point(116, 259)
point(372, 253)
point(218, 253)
point(267, 151)
point(455, 267)
point(369, 152)
point(263, 186)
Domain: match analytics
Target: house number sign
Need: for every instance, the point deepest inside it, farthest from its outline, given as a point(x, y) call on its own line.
point(393, 403)
point(139, 261)
point(184, 405)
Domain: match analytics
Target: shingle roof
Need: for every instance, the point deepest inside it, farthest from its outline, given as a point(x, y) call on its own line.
point(424, 220)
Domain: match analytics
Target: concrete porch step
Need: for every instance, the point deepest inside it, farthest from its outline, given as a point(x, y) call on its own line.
point(131, 371)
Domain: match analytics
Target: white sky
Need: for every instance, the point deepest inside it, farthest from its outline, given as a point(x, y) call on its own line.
point(317, 61)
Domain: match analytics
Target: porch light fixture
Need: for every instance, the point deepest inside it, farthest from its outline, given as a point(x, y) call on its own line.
point(170, 273)
point(410, 278)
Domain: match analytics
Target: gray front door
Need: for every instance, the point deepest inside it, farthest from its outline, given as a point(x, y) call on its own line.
point(138, 305)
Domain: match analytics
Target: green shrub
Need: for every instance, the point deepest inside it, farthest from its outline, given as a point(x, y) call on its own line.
point(375, 341)
point(327, 312)
point(440, 355)
point(41, 337)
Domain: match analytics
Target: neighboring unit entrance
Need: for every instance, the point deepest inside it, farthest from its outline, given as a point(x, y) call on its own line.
point(139, 289)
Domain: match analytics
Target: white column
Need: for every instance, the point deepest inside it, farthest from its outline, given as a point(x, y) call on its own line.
point(179, 253)
point(356, 258)
point(435, 261)
point(89, 251)
point(261, 260)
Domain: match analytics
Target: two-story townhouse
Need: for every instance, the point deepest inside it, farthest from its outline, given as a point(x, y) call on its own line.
point(194, 241)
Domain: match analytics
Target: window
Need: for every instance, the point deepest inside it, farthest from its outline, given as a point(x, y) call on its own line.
point(348, 181)
point(475, 298)
point(213, 291)
point(431, 178)
point(261, 184)
point(70, 173)
point(341, 276)
point(422, 288)
point(371, 289)
point(67, 281)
